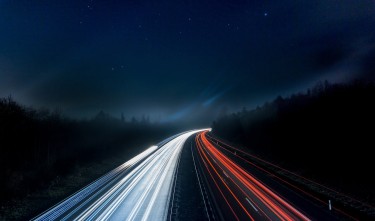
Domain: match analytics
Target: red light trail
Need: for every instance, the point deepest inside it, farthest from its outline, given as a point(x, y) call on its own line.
point(246, 191)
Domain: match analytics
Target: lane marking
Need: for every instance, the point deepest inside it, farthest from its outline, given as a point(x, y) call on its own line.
point(256, 210)
point(225, 174)
point(199, 182)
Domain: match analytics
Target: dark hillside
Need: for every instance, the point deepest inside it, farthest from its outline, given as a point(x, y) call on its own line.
point(326, 134)
point(38, 146)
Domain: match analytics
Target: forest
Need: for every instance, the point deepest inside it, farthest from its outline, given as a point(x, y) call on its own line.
point(325, 133)
point(36, 146)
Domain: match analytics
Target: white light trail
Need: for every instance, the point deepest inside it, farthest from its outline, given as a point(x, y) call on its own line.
point(139, 189)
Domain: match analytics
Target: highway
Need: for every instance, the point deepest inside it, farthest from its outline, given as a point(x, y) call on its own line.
point(189, 176)
point(244, 195)
point(242, 190)
point(139, 189)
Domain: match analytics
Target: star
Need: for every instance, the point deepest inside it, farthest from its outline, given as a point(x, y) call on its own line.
point(265, 14)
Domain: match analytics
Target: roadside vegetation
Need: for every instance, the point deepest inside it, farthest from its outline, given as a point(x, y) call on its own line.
point(46, 157)
point(325, 134)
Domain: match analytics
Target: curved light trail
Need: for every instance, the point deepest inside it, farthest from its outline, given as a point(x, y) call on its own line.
point(143, 188)
point(233, 150)
point(244, 195)
point(139, 189)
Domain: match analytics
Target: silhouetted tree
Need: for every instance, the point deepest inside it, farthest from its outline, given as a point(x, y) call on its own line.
point(38, 145)
point(320, 132)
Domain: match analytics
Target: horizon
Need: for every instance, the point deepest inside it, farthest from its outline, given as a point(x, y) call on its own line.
point(174, 61)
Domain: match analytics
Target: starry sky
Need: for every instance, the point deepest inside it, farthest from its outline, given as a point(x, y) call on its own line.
point(178, 60)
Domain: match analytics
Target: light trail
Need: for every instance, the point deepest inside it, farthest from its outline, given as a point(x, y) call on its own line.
point(226, 147)
point(143, 187)
point(243, 186)
point(287, 171)
point(139, 189)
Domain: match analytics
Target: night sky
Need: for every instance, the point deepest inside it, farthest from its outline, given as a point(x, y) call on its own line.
point(178, 59)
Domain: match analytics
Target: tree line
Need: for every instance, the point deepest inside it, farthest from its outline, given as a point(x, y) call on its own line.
point(36, 146)
point(325, 133)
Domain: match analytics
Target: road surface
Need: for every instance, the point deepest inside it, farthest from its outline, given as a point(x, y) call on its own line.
point(244, 195)
point(241, 190)
point(188, 177)
point(140, 189)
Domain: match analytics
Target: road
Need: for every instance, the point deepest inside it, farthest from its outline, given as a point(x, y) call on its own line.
point(188, 177)
point(139, 189)
point(241, 190)
point(244, 195)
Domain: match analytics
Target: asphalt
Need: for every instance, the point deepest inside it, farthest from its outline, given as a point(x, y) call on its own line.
point(190, 197)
